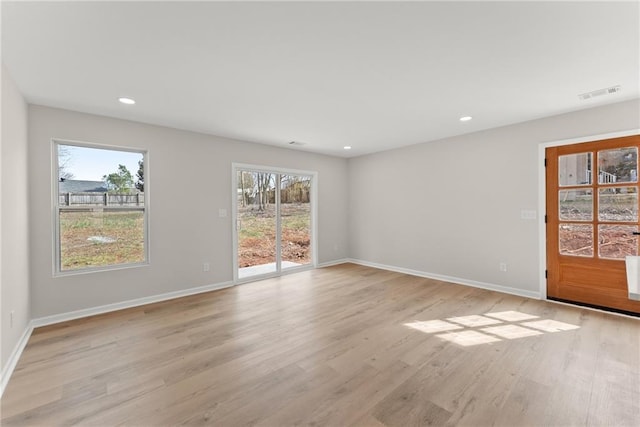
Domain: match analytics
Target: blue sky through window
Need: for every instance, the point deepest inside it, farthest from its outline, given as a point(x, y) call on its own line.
point(91, 164)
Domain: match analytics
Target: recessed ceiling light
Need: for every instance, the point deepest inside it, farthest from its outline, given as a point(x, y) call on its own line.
point(127, 101)
point(465, 118)
point(347, 147)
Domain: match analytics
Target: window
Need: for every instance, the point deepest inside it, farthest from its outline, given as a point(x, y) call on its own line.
point(100, 207)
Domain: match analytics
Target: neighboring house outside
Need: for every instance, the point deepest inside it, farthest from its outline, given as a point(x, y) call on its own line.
point(79, 186)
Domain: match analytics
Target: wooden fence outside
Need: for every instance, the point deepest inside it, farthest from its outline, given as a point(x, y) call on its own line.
point(100, 199)
point(295, 194)
point(286, 196)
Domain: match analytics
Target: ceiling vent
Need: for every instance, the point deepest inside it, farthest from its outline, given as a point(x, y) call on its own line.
point(600, 92)
point(296, 143)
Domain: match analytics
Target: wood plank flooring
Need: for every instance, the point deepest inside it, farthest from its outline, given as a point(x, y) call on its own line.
point(338, 346)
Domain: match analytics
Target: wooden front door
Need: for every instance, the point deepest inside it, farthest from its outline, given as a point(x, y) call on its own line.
point(592, 221)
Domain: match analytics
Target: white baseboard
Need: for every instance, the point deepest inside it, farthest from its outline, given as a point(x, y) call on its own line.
point(63, 317)
point(451, 279)
point(7, 370)
point(72, 315)
point(334, 262)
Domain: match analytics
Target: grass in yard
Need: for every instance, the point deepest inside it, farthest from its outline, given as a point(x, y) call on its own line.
point(95, 239)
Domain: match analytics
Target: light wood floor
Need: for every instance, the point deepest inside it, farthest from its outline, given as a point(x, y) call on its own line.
point(345, 345)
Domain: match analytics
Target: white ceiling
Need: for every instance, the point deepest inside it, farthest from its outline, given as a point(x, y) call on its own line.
point(371, 75)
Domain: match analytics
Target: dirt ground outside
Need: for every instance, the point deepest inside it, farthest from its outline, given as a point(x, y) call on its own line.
point(257, 234)
point(615, 241)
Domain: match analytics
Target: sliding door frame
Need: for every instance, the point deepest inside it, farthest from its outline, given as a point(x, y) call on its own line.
point(235, 168)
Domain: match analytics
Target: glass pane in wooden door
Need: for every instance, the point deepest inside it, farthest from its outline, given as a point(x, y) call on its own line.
point(576, 205)
point(574, 169)
point(618, 204)
point(618, 165)
point(576, 239)
point(616, 241)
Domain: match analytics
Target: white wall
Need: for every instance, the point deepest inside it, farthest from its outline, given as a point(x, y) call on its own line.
point(14, 214)
point(449, 208)
point(182, 235)
point(452, 207)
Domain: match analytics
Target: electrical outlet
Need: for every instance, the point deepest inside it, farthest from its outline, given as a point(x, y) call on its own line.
point(503, 266)
point(206, 266)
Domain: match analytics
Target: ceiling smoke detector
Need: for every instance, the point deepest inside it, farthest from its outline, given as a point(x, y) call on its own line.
point(600, 92)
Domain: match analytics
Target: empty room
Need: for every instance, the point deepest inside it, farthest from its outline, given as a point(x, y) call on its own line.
point(325, 213)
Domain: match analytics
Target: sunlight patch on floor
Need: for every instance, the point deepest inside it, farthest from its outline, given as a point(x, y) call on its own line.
point(432, 326)
point(468, 338)
point(473, 321)
point(490, 327)
point(511, 331)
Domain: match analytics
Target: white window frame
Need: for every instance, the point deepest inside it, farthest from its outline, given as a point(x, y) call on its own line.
point(56, 208)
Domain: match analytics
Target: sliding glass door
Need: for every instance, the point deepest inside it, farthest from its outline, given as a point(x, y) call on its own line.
point(295, 220)
point(256, 223)
point(273, 212)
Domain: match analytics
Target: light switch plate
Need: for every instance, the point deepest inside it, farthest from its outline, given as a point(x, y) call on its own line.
point(528, 214)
